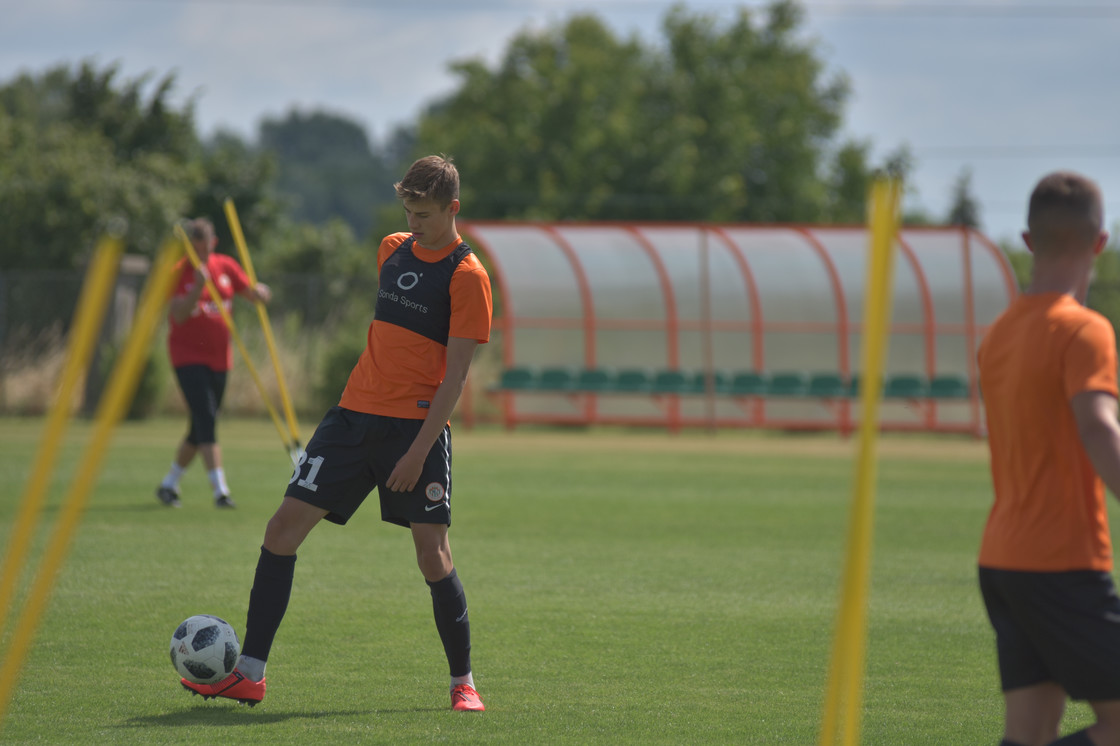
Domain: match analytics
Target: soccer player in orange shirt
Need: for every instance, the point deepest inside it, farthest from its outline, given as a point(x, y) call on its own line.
point(390, 430)
point(1048, 376)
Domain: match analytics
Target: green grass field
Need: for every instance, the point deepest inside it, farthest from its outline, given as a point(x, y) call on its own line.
point(623, 587)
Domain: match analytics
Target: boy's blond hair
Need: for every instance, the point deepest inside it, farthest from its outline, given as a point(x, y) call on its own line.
point(433, 177)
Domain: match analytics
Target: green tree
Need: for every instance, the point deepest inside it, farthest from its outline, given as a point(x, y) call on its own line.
point(83, 149)
point(964, 210)
point(236, 170)
point(899, 164)
point(79, 154)
point(133, 125)
point(60, 188)
point(722, 121)
point(849, 182)
point(327, 168)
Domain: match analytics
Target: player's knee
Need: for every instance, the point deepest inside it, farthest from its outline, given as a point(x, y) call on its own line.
point(282, 535)
point(434, 563)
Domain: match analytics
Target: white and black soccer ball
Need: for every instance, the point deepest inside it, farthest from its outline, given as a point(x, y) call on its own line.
point(204, 649)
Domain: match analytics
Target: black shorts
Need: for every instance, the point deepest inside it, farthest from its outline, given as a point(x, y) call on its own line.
point(1056, 626)
point(351, 453)
point(203, 390)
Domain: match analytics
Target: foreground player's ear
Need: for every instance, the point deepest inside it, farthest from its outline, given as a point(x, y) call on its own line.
point(1102, 241)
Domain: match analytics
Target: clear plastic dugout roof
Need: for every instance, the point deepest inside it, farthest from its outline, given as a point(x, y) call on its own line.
point(733, 325)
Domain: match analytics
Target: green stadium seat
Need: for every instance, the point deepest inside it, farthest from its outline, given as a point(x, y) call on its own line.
point(949, 387)
point(633, 381)
point(670, 382)
point(699, 382)
point(827, 386)
point(788, 383)
point(517, 379)
point(593, 380)
point(747, 383)
point(905, 386)
point(555, 379)
point(853, 385)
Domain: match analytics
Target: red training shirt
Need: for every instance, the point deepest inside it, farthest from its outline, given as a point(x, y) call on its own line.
point(203, 339)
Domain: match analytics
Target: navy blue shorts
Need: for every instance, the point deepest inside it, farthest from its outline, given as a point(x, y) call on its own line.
point(1062, 627)
point(203, 390)
point(351, 453)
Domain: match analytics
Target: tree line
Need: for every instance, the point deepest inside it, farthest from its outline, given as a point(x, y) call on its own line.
point(718, 120)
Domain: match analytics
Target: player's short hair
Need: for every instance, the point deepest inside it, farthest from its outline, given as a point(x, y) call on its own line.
point(201, 229)
point(433, 177)
point(1065, 208)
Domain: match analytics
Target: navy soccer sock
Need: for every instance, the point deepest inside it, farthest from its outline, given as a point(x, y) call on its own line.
point(450, 606)
point(268, 600)
point(1080, 738)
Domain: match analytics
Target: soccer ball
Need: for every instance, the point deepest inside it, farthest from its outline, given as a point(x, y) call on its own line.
point(204, 649)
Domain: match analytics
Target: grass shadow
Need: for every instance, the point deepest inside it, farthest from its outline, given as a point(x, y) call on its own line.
point(232, 716)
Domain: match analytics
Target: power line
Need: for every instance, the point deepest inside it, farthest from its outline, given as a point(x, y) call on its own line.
point(970, 10)
point(992, 152)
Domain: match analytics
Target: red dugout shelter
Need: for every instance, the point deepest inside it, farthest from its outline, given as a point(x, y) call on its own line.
point(710, 325)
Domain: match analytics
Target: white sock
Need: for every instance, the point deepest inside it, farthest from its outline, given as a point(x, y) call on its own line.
point(218, 482)
point(251, 667)
point(174, 474)
point(468, 680)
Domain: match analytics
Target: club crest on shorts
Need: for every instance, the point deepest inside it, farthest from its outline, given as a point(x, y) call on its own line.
point(434, 492)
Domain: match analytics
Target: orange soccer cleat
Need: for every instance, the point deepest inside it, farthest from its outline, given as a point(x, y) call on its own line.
point(235, 686)
point(465, 699)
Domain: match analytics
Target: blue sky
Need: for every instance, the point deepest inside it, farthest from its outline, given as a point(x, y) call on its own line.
point(1010, 89)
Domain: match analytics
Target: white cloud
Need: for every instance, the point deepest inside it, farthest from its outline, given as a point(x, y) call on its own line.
point(958, 80)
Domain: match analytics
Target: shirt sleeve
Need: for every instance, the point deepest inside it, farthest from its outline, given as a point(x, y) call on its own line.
point(1091, 358)
point(237, 277)
point(388, 245)
point(471, 302)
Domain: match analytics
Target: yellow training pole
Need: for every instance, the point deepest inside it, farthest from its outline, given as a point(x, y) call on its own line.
point(88, 316)
point(845, 679)
point(112, 407)
point(217, 299)
point(266, 326)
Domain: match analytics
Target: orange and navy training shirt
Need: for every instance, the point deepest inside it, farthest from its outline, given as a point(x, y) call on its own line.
point(1049, 513)
point(424, 296)
point(203, 339)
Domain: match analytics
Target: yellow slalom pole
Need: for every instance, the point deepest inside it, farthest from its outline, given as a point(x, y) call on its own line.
point(88, 316)
point(217, 298)
point(112, 407)
point(844, 698)
point(266, 326)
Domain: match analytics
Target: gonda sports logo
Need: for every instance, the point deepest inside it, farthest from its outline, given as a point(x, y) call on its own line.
point(408, 280)
point(434, 492)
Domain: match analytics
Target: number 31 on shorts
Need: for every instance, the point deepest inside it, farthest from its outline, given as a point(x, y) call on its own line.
point(309, 483)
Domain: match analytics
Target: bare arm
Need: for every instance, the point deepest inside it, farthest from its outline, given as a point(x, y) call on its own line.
point(1095, 414)
point(259, 293)
point(406, 474)
point(181, 306)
